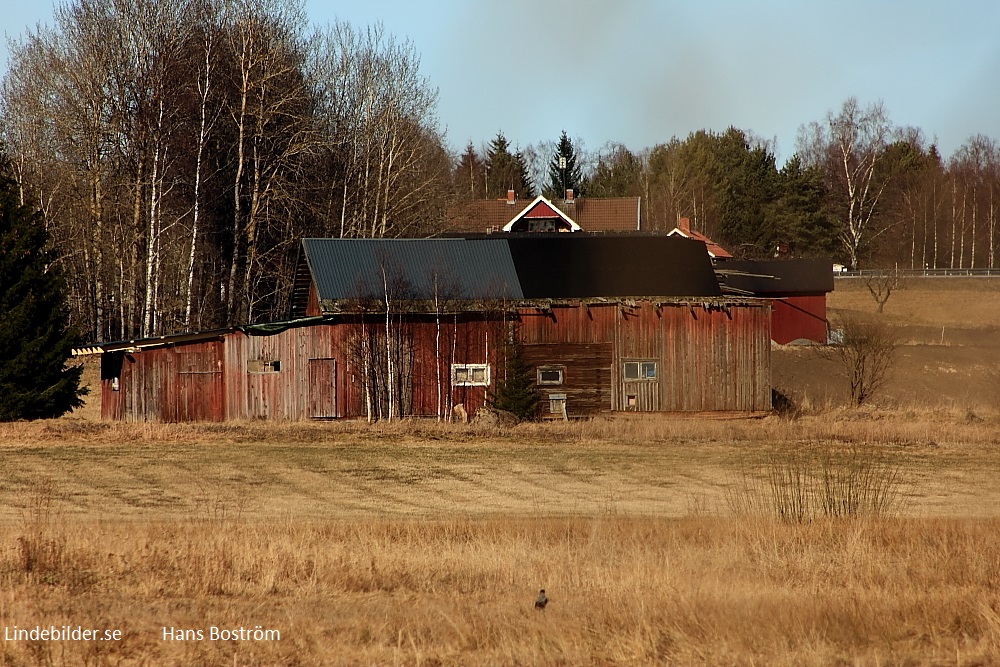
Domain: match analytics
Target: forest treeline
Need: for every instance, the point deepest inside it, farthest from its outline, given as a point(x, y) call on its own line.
point(180, 150)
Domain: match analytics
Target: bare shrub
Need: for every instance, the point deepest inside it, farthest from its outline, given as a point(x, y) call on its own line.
point(865, 352)
point(810, 482)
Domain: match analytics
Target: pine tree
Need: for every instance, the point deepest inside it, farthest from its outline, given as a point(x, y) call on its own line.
point(568, 177)
point(35, 336)
point(515, 387)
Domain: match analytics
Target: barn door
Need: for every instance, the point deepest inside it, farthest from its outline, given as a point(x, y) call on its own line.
point(322, 388)
point(640, 387)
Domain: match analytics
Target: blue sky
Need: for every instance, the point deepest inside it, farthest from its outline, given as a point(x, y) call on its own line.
point(643, 71)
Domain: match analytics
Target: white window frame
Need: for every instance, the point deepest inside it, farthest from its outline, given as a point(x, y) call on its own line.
point(468, 371)
point(550, 369)
point(642, 367)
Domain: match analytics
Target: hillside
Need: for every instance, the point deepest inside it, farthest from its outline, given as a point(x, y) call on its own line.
point(951, 352)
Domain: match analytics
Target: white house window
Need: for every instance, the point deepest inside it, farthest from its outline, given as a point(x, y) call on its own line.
point(634, 371)
point(470, 375)
point(551, 374)
point(263, 366)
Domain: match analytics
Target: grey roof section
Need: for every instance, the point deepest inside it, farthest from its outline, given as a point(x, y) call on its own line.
point(414, 269)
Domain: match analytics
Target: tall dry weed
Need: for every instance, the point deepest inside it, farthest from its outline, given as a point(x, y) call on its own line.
point(809, 481)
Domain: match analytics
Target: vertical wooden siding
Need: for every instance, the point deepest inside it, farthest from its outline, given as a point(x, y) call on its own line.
point(710, 357)
point(168, 384)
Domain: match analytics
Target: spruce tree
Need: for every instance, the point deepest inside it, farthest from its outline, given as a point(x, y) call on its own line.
point(506, 171)
point(515, 387)
point(568, 177)
point(36, 339)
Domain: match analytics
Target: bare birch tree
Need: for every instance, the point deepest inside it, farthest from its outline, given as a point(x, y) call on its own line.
point(849, 147)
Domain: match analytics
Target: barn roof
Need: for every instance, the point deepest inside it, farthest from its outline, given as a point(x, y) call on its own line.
point(513, 267)
point(611, 265)
point(778, 277)
point(412, 269)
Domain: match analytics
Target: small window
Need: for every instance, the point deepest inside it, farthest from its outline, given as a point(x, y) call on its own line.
point(550, 374)
point(263, 366)
point(639, 370)
point(557, 404)
point(470, 375)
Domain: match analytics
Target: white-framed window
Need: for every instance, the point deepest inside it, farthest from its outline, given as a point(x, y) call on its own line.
point(637, 371)
point(263, 366)
point(551, 375)
point(470, 375)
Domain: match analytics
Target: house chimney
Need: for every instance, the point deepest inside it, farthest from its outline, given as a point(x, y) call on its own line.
point(684, 225)
point(511, 197)
point(569, 196)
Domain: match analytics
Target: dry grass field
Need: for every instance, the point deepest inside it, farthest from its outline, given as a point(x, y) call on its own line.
point(658, 540)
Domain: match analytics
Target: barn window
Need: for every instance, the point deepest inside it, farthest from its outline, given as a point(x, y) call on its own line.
point(634, 371)
point(470, 375)
point(550, 374)
point(263, 366)
point(557, 404)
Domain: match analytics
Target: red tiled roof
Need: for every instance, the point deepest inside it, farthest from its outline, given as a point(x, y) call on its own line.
point(714, 249)
point(620, 214)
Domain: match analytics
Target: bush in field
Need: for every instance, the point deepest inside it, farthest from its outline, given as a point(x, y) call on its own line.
point(865, 352)
point(811, 482)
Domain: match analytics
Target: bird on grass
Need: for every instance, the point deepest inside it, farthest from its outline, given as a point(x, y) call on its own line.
point(541, 600)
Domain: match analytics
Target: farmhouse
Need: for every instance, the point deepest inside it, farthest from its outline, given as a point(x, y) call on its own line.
point(383, 328)
point(569, 214)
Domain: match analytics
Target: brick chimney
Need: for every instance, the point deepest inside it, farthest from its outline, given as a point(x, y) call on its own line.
point(569, 196)
point(684, 225)
point(511, 197)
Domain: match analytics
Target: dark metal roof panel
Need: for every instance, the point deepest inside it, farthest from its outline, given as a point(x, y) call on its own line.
point(612, 265)
point(412, 268)
point(778, 277)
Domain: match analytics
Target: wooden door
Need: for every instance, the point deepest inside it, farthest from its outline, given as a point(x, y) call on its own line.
point(323, 388)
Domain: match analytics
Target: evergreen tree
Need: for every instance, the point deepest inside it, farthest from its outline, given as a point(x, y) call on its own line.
point(35, 337)
point(515, 387)
point(566, 175)
point(506, 171)
point(802, 216)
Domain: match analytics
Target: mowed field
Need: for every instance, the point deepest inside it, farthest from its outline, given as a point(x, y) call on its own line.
point(657, 539)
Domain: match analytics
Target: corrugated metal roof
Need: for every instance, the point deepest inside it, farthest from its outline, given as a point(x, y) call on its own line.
point(414, 269)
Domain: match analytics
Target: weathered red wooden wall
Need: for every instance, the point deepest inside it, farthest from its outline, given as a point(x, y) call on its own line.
point(710, 357)
point(795, 317)
point(713, 356)
point(318, 373)
point(170, 384)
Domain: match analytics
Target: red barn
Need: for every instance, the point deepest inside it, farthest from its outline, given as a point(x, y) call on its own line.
point(397, 328)
point(797, 288)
